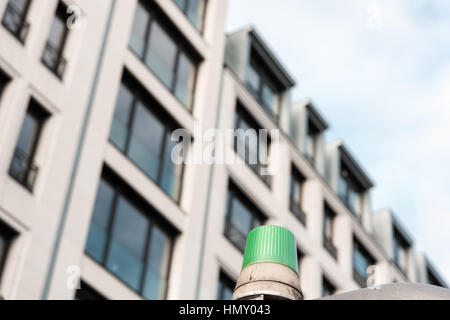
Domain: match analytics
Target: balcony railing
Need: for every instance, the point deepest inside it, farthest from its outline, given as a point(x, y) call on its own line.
point(15, 22)
point(23, 170)
point(54, 60)
point(298, 212)
point(330, 247)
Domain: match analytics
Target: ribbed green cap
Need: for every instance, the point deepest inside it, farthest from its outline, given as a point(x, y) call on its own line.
point(271, 244)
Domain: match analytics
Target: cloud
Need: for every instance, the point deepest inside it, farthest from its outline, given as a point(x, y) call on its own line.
point(380, 72)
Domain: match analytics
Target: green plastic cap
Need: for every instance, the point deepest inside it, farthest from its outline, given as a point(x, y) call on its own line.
point(271, 244)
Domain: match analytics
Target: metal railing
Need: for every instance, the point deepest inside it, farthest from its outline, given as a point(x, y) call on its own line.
point(23, 170)
point(53, 59)
point(14, 21)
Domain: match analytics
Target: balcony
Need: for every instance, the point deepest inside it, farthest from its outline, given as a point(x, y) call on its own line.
point(329, 246)
point(23, 170)
point(54, 60)
point(14, 21)
point(298, 212)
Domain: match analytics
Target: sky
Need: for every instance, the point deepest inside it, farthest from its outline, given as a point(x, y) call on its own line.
point(379, 72)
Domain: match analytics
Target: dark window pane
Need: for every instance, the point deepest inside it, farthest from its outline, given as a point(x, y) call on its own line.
point(185, 80)
point(146, 141)
point(126, 253)
point(96, 243)
point(161, 55)
point(122, 114)
point(158, 265)
point(139, 33)
point(14, 18)
point(225, 288)
point(6, 236)
point(87, 293)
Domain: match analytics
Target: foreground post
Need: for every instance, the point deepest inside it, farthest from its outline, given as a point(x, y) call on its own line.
point(270, 267)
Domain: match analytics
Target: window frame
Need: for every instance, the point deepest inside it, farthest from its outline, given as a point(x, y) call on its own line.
point(265, 79)
point(141, 95)
point(23, 26)
point(235, 193)
point(60, 62)
point(225, 282)
point(360, 279)
point(328, 242)
point(156, 15)
point(41, 115)
point(8, 234)
point(184, 10)
point(294, 206)
point(242, 115)
point(122, 189)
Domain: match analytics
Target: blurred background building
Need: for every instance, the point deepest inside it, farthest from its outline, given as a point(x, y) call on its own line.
point(88, 187)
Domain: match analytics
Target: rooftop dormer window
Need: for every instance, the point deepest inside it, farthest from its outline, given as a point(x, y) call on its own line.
point(260, 84)
point(400, 250)
point(311, 141)
point(349, 192)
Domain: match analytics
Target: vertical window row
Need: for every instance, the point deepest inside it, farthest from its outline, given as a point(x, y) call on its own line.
point(14, 18)
point(194, 11)
point(143, 133)
point(242, 217)
point(128, 240)
point(23, 168)
point(162, 50)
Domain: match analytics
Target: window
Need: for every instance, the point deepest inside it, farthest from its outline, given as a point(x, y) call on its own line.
point(6, 237)
point(300, 257)
point(258, 82)
point(22, 168)
point(4, 79)
point(242, 217)
point(127, 238)
point(251, 144)
point(226, 287)
point(161, 48)
point(296, 194)
point(14, 18)
point(86, 292)
point(433, 280)
point(349, 192)
point(194, 11)
point(400, 248)
point(143, 134)
point(327, 288)
point(328, 231)
point(361, 261)
point(53, 53)
point(311, 142)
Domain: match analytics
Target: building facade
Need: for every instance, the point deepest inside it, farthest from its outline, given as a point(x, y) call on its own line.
point(91, 92)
